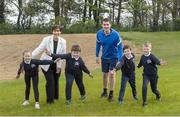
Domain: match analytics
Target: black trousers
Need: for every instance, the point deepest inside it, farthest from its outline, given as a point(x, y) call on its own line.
point(52, 83)
point(69, 82)
point(35, 80)
point(153, 82)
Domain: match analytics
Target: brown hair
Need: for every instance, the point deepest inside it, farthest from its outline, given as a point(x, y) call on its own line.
point(26, 51)
point(76, 47)
point(105, 20)
point(57, 27)
point(126, 47)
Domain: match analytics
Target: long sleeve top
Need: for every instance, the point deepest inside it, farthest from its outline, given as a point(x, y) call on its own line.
point(32, 67)
point(111, 45)
point(127, 66)
point(149, 64)
point(72, 65)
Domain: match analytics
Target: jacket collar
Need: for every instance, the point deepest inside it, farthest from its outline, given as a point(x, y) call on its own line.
point(52, 45)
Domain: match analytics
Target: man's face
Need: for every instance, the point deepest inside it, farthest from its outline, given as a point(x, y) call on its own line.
point(75, 54)
point(106, 26)
point(27, 56)
point(127, 53)
point(56, 32)
point(146, 50)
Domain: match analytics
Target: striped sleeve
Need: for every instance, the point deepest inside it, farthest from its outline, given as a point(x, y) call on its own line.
point(98, 46)
point(119, 46)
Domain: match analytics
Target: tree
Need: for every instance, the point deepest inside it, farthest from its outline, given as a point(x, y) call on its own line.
point(119, 12)
point(90, 4)
point(2, 18)
point(56, 7)
point(156, 13)
point(84, 10)
point(20, 6)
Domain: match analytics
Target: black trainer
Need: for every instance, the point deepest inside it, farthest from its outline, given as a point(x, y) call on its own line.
point(135, 98)
point(104, 94)
point(158, 97)
point(110, 98)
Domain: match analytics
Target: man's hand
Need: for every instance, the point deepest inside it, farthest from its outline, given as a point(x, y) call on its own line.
point(97, 60)
point(90, 75)
point(112, 71)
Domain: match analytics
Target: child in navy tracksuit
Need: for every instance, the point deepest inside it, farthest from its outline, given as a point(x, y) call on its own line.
point(127, 66)
point(30, 66)
point(73, 71)
point(149, 62)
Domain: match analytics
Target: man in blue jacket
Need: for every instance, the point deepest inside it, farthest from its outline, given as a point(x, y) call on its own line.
point(111, 44)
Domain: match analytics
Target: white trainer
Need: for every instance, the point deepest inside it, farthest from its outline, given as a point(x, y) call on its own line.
point(37, 106)
point(25, 103)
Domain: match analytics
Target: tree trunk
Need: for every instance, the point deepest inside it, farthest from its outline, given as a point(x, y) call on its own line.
point(119, 13)
point(2, 19)
point(156, 11)
point(174, 10)
point(90, 8)
point(56, 7)
point(20, 13)
point(85, 10)
point(95, 12)
point(113, 12)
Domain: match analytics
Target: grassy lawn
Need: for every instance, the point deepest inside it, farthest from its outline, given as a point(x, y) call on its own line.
point(166, 45)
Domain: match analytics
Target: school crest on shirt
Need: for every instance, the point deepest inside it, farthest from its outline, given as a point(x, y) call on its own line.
point(33, 65)
point(76, 63)
point(149, 61)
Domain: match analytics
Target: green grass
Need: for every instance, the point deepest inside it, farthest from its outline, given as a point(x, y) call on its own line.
point(166, 45)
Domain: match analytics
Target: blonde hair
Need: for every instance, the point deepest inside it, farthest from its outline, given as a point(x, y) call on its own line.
point(147, 44)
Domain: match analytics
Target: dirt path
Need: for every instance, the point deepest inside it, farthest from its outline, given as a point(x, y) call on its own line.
point(12, 46)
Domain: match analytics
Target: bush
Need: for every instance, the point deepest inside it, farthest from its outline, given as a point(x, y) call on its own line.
point(176, 25)
point(83, 27)
point(7, 29)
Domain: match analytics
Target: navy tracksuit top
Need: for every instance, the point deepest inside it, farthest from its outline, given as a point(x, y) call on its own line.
point(72, 65)
point(127, 66)
point(150, 64)
point(32, 68)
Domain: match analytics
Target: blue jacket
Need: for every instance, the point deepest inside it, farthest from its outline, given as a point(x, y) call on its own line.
point(111, 45)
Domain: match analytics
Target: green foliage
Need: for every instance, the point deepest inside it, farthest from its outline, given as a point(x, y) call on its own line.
point(7, 29)
point(176, 25)
point(83, 27)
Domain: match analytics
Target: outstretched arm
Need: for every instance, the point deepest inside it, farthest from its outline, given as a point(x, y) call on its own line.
point(43, 62)
point(57, 56)
point(119, 65)
point(85, 69)
point(140, 63)
point(20, 70)
point(62, 56)
point(163, 62)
